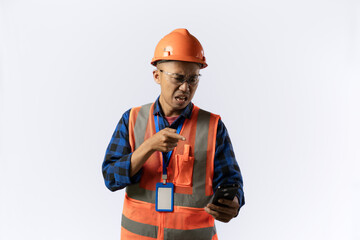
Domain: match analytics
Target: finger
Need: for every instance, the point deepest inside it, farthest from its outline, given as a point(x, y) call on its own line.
point(212, 212)
point(230, 203)
point(170, 140)
point(170, 149)
point(170, 130)
point(225, 210)
point(222, 219)
point(176, 136)
point(219, 216)
point(171, 145)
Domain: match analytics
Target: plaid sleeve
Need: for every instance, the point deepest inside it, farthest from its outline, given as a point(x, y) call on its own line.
point(116, 165)
point(226, 169)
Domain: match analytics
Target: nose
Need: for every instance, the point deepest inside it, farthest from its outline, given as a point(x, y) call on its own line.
point(184, 86)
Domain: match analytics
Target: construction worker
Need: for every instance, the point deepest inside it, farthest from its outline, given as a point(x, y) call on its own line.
point(171, 155)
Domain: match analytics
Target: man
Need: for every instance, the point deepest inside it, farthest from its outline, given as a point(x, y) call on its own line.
point(171, 156)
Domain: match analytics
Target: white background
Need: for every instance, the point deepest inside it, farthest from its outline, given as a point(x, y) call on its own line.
point(284, 76)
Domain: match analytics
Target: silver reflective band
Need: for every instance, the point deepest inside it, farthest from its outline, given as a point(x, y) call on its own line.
point(140, 124)
point(198, 234)
point(142, 229)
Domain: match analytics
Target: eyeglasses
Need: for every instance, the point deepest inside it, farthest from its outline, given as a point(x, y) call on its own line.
point(179, 79)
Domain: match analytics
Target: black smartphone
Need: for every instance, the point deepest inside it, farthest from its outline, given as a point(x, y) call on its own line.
point(225, 191)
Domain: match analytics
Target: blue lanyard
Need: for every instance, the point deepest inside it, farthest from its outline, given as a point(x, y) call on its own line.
point(166, 156)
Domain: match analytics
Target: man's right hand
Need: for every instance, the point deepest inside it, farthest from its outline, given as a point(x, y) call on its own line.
point(165, 140)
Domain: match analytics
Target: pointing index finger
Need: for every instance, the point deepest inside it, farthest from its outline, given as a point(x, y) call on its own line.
point(176, 136)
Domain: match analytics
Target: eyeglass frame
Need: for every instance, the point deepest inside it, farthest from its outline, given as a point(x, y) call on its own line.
point(181, 75)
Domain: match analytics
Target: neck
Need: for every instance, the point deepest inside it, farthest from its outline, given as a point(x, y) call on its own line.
point(168, 111)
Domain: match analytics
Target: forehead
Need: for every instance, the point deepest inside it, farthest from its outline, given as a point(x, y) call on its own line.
point(179, 67)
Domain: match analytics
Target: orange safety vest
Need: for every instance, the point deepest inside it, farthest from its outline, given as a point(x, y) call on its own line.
point(191, 170)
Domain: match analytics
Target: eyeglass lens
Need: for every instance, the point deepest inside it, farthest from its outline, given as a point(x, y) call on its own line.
point(192, 80)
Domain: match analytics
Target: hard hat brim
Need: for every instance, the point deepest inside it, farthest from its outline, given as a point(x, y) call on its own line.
point(182, 59)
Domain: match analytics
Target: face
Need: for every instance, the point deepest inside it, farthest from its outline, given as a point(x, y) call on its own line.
point(174, 97)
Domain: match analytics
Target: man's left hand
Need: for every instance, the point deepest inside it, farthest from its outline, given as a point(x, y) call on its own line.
point(224, 214)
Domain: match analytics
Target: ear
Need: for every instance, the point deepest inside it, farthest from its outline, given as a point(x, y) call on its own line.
point(156, 75)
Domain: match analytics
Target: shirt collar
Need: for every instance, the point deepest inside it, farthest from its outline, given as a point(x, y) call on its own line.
point(185, 113)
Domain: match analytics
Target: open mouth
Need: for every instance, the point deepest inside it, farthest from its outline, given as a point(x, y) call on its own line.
point(181, 99)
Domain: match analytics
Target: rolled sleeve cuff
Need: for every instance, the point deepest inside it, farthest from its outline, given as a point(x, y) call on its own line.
point(136, 178)
point(123, 172)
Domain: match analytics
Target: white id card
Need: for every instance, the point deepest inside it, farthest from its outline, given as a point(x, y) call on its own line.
point(164, 199)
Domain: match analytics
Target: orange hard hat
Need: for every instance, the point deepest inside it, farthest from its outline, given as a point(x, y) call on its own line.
point(179, 45)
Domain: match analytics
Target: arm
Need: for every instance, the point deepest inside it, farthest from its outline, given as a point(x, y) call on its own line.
point(226, 171)
point(117, 163)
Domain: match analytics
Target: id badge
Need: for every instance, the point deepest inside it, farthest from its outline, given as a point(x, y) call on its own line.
point(164, 199)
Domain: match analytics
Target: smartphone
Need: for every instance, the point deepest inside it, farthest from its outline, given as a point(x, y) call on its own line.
point(225, 191)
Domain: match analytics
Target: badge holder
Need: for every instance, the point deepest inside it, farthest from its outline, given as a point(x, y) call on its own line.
point(164, 199)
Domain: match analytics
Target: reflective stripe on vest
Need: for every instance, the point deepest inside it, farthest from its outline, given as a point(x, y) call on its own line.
point(198, 234)
point(138, 228)
point(141, 123)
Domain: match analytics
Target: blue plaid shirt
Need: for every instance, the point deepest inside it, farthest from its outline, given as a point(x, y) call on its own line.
point(116, 165)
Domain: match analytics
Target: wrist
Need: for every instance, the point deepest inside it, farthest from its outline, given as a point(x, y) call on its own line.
point(148, 147)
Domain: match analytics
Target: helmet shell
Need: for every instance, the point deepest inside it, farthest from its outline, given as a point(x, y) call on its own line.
point(179, 45)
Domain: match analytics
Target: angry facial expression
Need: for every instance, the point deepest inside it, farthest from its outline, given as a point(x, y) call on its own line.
point(175, 96)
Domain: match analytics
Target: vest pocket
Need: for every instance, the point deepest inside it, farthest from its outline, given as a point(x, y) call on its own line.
point(184, 168)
